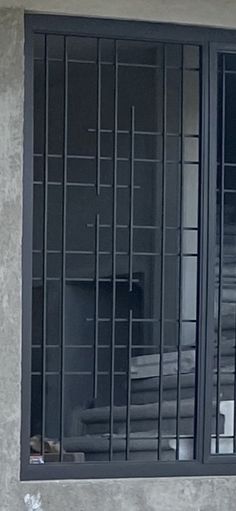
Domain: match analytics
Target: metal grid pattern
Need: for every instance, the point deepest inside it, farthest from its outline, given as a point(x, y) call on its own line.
point(114, 316)
point(224, 383)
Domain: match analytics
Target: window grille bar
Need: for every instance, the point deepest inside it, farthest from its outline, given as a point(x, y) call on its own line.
point(126, 132)
point(86, 185)
point(121, 159)
point(129, 385)
point(225, 256)
point(228, 190)
point(45, 241)
point(95, 385)
point(107, 252)
point(234, 439)
point(221, 257)
point(145, 320)
point(136, 285)
point(63, 263)
point(178, 419)
point(123, 64)
point(163, 240)
point(114, 227)
point(131, 213)
point(87, 279)
point(227, 164)
point(98, 116)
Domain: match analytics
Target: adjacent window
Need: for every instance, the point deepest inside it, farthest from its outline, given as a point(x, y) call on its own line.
point(224, 354)
point(117, 275)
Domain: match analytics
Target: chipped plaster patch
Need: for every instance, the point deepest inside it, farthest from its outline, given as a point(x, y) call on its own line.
point(33, 502)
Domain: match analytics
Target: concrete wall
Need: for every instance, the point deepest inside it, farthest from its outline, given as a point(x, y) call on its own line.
point(202, 12)
point(198, 494)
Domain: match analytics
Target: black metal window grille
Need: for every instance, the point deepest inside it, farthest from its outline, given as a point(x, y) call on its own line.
point(224, 343)
point(127, 354)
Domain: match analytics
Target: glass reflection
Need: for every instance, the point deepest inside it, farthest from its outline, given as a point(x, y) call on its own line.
point(120, 276)
point(223, 439)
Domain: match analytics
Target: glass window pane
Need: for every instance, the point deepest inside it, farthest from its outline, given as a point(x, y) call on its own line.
point(190, 196)
point(82, 48)
point(189, 287)
point(191, 56)
point(191, 99)
point(173, 104)
point(140, 53)
point(115, 251)
point(223, 400)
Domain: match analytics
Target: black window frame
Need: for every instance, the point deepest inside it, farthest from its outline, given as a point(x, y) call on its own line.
point(212, 41)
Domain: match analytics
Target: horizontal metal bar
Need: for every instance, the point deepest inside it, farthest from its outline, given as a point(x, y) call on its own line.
point(230, 72)
point(85, 185)
point(126, 226)
point(77, 279)
point(225, 164)
point(39, 251)
point(125, 254)
point(55, 471)
point(54, 183)
point(52, 155)
point(124, 159)
point(123, 347)
point(48, 346)
point(144, 133)
point(227, 190)
point(84, 279)
point(80, 61)
point(105, 346)
point(145, 320)
point(119, 64)
point(78, 373)
point(108, 131)
point(151, 227)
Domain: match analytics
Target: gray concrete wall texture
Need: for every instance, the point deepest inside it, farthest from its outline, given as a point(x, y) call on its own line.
point(185, 494)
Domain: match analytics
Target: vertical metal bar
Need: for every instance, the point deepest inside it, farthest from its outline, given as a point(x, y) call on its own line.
point(235, 392)
point(221, 256)
point(95, 383)
point(114, 222)
point(163, 241)
point(129, 384)
point(180, 257)
point(27, 245)
point(98, 153)
point(200, 376)
point(63, 261)
point(209, 141)
point(131, 198)
point(44, 340)
point(234, 438)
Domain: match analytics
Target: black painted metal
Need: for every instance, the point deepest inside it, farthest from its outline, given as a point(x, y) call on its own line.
point(44, 369)
point(163, 248)
point(96, 312)
point(131, 215)
point(26, 258)
point(129, 384)
point(178, 418)
point(221, 262)
point(203, 258)
point(98, 115)
point(63, 250)
point(135, 31)
point(114, 241)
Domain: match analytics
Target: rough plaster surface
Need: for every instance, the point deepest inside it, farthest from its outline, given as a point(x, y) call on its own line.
point(197, 494)
point(205, 12)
